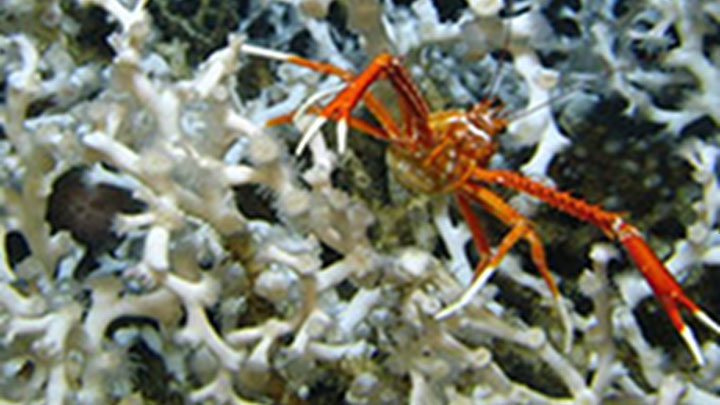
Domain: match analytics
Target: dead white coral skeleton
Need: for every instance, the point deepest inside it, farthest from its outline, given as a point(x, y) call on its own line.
point(308, 304)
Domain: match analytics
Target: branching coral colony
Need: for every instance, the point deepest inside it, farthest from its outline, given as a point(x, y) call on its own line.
point(139, 264)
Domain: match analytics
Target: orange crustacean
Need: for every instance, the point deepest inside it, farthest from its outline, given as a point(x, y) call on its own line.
point(449, 151)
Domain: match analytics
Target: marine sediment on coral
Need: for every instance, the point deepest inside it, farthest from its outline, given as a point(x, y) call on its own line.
point(161, 245)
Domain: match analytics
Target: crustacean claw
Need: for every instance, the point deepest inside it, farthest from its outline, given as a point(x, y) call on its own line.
point(668, 292)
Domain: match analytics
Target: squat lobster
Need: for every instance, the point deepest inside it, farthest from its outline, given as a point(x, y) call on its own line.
point(448, 151)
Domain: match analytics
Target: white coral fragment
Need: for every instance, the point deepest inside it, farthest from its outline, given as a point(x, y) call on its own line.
point(486, 7)
point(320, 287)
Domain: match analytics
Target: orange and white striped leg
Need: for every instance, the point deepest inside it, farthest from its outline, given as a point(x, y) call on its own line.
point(326, 68)
point(666, 288)
point(521, 229)
point(340, 108)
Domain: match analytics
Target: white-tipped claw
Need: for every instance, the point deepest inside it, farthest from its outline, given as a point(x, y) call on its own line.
point(342, 130)
point(310, 133)
point(314, 98)
point(467, 296)
point(689, 337)
point(707, 321)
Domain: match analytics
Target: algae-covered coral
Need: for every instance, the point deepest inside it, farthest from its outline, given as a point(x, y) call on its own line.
point(161, 245)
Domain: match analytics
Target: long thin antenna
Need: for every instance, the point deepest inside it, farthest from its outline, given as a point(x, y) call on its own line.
point(578, 86)
point(532, 109)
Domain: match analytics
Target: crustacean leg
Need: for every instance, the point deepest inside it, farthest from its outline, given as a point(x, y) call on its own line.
point(520, 228)
point(482, 246)
point(417, 134)
point(664, 286)
point(666, 289)
point(413, 107)
point(354, 122)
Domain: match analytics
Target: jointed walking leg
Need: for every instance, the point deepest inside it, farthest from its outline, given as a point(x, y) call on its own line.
point(521, 228)
point(383, 66)
point(666, 289)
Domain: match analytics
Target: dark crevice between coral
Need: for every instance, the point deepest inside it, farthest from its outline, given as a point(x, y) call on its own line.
point(621, 8)
point(581, 303)
point(202, 25)
point(337, 16)
point(704, 291)
point(152, 378)
point(214, 316)
point(439, 250)
point(253, 77)
point(702, 128)
point(39, 107)
point(329, 390)
point(16, 247)
point(150, 375)
point(670, 228)
point(514, 8)
point(553, 58)
point(260, 28)
point(87, 211)
point(182, 8)
point(257, 309)
point(525, 303)
point(344, 39)
point(711, 41)
point(403, 3)
point(657, 329)
point(328, 255)
point(90, 40)
point(255, 202)
point(346, 289)
point(130, 321)
point(303, 44)
point(521, 366)
point(471, 253)
point(449, 10)
point(557, 12)
point(567, 243)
